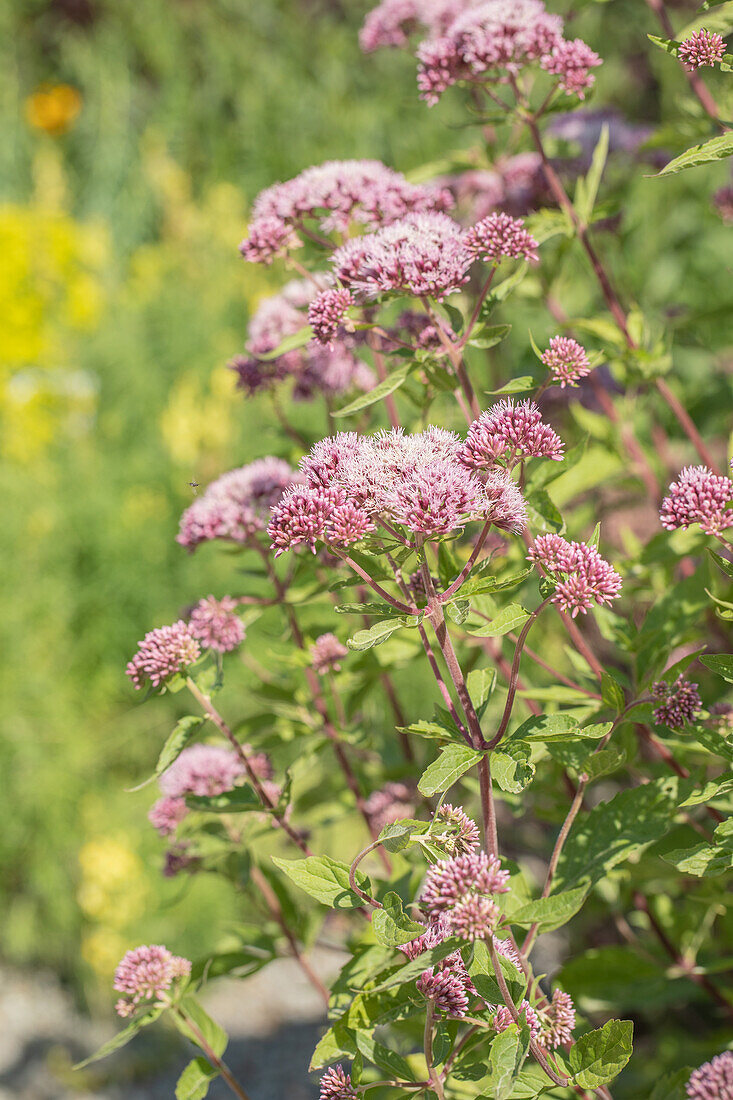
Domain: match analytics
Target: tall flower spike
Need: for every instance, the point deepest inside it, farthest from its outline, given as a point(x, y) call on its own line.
point(145, 974)
point(499, 237)
point(510, 432)
point(714, 1079)
point(216, 624)
point(704, 47)
point(582, 577)
point(566, 360)
point(698, 496)
point(680, 703)
point(336, 1085)
point(163, 653)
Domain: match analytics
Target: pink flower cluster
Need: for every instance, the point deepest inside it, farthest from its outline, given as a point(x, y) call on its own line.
point(393, 802)
point(698, 496)
point(557, 1021)
point(448, 984)
point(582, 577)
point(417, 481)
point(514, 185)
point(566, 360)
point(334, 195)
point(326, 312)
point(393, 21)
point(326, 653)
point(235, 506)
point(680, 703)
point(701, 48)
point(145, 974)
point(572, 61)
point(498, 237)
point(463, 836)
point(509, 432)
point(336, 1085)
point(163, 653)
point(329, 367)
point(462, 890)
point(713, 1080)
point(216, 624)
point(504, 1019)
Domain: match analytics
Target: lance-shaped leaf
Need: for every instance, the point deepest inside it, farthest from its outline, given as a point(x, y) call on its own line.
point(412, 970)
point(122, 1038)
point(599, 1056)
point(325, 879)
point(718, 148)
point(379, 632)
point(510, 618)
point(551, 912)
point(193, 1084)
point(198, 1023)
point(393, 382)
point(453, 761)
point(237, 801)
point(722, 663)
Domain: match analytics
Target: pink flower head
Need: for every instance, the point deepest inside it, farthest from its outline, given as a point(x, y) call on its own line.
point(202, 770)
point(505, 507)
point(145, 974)
point(326, 312)
point(216, 624)
point(437, 498)
point(701, 48)
point(571, 61)
point(334, 195)
point(447, 991)
point(566, 360)
point(504, 1019)
point(163, 653)
point(311, 514)
point(499, 237)
point(393, 802)
point(235, 506)
point(167, 814)
point(698, 496)
point(326, 654)
point(461, 890)
point(423, 254)
point(510, 432)
point(452, 991)
point(582, 577)
point(336, 1085)
point(714, 1079)
point(463, 835)
point(557, 1021)
point(680, 703)
point(327, 458)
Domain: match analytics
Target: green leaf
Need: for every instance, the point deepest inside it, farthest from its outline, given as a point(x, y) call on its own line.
point(393, 382)
point(483, 976)
point(525, 384)
point(669, 45)
point(238, 800)
point(507, 620)
point(673, 1086)
point(547, 727)
point(396, 835)
point(379, 632)
point(505, 1059)
point(718, 148)
point(193, 1084)
point(512, 767)
point(599, 1056)
point(453, 761)
point(182, 733)
point(122, 1038)
point(551, 912)
point(325, 879)
point(214, 1035)
point(542, 512)
point(413, 969)
point(722, 663)
point(612, 692)
point(587, 188)
point(391, 925)
point(487, 336)
point(388, 1060)
point(702, 861)
point(481, 683)
point(291, 343)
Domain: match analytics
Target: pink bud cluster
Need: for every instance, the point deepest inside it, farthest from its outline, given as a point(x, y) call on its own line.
point(326, 312)
point(582, 577)
point(333, 195)
point(566, 360)
point(698, 496)
point(463, 836)
point(326, 654)
point(571, 61)
point(680, 703)
point(336, 1085)
point(704, 47)
point(417, 481)
point(393, 802)
point(504, 1019)
point(462, 891)
point(498, 237)
point(163, 653)
point(145, 974)
point(448, 984)
point(216, 624)
point(713, 1080)
point(509, 432)
point(235, 506)
point(556, 1021)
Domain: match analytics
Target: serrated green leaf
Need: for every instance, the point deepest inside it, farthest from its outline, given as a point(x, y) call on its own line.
point(193, 1084)
point(717, 148)
point(385, 1059)
point(396, 835)
point(393, 382)
point(391, 925)
point(510, 618)
point(551, 912)
point(413, 969)
point(481, 969)
point(512, 767)
point(481, 683)
point(453, 761)
point(721, 663)
point(599, 1056)
point(525, 384)
point(505, 1059)
point(547, 727)
point(542, 512)
point(325, 879)
point(612, 692)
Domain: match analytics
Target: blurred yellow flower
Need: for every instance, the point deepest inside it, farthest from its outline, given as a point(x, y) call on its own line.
point(191, 411)
point(113, 888)
point(53, 108)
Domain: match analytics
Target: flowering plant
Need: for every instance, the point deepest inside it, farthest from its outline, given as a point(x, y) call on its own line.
point(432, 530)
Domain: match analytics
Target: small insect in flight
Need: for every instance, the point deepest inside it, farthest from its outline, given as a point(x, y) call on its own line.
point(194, 485)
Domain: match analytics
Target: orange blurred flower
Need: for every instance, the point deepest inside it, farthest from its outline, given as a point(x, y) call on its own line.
point(53, 108)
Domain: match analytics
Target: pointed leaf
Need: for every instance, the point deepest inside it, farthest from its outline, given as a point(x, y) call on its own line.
point(453, 761)
point(193, 1084)
point(325, 879)
point(599, 1056)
